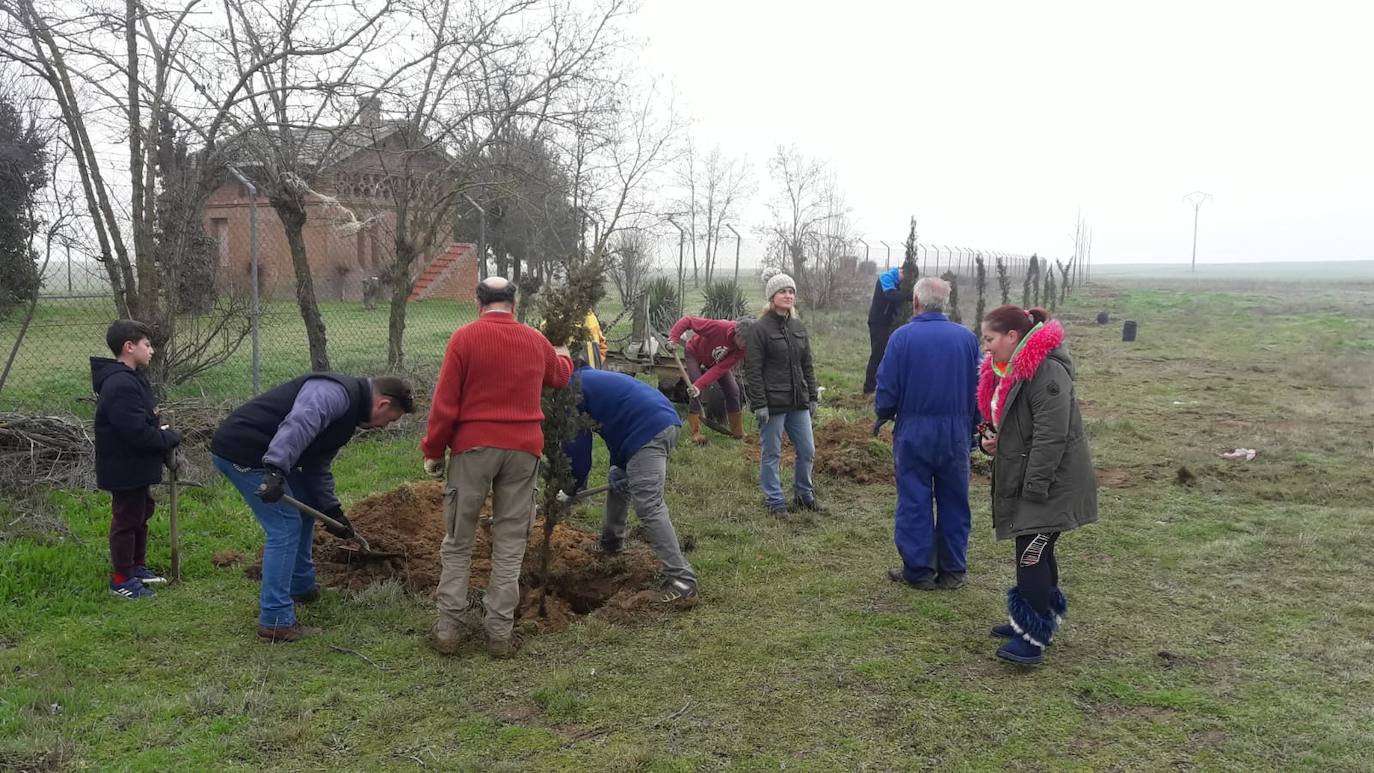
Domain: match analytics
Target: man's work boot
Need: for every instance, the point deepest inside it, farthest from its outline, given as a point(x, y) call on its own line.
point(736, 424)
point(293, 632)
point(694, 423)
point(447, 636)
point(503, 649)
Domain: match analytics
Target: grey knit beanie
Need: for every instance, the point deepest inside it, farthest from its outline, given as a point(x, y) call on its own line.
point(776, 283)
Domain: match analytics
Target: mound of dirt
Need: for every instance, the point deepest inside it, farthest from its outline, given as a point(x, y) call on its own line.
point(405, 529)
point(844, 449)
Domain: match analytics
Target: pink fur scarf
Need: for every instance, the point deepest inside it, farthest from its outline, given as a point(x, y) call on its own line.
point(1024, 363)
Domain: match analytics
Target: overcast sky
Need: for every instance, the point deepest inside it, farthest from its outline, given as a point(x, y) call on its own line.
point(993, 123)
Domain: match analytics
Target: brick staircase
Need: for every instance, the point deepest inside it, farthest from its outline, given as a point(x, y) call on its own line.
point(438, 270)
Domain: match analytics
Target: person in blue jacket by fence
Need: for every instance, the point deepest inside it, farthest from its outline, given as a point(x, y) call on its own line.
point(927, 385)
point(887, 301)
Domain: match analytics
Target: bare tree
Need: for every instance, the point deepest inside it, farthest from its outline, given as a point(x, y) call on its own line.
point(495, 75)
point(798, 207)
point(630, 261)
point(712, 187)
point(293, 121)
point(122, 70)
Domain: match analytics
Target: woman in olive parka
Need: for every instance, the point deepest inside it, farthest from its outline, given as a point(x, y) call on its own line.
point(1043, 483)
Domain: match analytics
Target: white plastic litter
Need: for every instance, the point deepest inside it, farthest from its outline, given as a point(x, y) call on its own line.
point(1242, 454)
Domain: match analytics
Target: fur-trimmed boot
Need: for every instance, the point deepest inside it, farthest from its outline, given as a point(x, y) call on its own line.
point(1033, 632)
point(1059, 607)
point(736, 424)
point(694, 423)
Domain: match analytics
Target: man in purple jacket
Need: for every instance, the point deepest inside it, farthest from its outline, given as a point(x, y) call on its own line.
point(283, 442)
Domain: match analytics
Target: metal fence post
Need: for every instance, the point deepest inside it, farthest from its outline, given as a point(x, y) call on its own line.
point(255, 310)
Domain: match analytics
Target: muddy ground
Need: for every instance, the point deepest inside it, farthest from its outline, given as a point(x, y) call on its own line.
point(405, 527)
point(844, 449)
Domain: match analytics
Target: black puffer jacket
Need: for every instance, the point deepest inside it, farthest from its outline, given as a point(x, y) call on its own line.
point(777, 365)
point(129, 441)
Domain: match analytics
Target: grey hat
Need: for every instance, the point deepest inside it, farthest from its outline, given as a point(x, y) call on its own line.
point(776, 284)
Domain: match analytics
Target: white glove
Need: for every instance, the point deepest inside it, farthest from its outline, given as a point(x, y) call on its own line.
point(693, 392)
point(563, 497)
point(434, 468)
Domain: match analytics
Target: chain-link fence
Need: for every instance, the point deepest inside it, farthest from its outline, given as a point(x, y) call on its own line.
point(212, 335)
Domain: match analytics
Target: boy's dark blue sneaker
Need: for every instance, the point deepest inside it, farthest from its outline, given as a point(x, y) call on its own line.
point(132, 588)
point(147, 576)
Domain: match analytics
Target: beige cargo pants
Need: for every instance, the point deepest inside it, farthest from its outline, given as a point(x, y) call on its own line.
point(510, 477)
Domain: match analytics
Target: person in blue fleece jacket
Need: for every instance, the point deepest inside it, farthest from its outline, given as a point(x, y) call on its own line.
point(640, 428)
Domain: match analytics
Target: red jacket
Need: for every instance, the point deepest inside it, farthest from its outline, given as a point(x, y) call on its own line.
point(487, 396)
point(712, 346)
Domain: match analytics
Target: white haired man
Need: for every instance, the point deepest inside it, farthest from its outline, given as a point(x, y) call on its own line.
point(927, 384)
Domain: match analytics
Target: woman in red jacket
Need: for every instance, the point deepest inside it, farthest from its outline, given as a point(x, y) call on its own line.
point(716, 347)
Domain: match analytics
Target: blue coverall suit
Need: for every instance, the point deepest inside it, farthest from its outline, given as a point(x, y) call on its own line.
point(928, 383)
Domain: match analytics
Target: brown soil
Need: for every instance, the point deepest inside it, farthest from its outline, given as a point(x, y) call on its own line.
point(226, 558)
point(408, 523)
point(844, 449)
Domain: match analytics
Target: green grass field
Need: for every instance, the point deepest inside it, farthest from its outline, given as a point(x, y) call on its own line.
point(1221, 625)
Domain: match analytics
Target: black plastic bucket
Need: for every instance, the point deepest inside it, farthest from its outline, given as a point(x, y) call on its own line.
point(1128, 330)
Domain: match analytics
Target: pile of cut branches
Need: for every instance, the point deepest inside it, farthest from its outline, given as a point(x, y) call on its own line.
point(45, 449)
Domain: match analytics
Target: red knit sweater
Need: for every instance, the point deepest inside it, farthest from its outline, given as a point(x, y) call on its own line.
point(489, 386)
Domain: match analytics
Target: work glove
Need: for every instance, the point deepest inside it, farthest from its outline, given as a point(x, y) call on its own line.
point(693, 392)
point(173, 461)
point(434, 468)
point(337, 514)
point(761, 415)
point(618, 481)
point(878, 426)
point(563, 498)
point(172, 437)
point(273, 485)
point(669, 347)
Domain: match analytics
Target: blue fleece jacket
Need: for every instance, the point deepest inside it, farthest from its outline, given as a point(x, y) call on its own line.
point(928, 382)
point(629, 413)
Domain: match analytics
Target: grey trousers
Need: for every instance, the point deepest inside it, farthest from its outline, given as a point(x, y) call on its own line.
point(509, 476)
point(642, 482)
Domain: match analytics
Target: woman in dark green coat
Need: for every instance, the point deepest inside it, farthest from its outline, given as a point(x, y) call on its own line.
point(782, 394)
point(1043, 481)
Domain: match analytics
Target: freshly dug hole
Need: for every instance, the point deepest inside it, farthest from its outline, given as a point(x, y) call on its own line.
point(408, 521)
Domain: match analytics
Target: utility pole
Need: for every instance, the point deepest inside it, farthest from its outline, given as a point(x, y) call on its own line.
point(1196, 198)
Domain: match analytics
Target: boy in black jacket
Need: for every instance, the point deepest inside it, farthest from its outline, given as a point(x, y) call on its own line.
point(130, 446)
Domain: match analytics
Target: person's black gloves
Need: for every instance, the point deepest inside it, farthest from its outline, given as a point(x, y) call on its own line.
point(273, 485)
point(878, 426)
point(337, 514)
point(172, 437)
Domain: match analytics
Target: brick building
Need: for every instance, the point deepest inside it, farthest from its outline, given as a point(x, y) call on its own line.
point(348, 228)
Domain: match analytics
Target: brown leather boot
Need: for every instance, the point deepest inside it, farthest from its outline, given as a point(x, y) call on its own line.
point(293, 632)
point(736, 424)
point(694, 422)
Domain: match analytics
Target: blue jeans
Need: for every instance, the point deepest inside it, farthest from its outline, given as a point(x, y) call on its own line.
point(287, 567)
point(798, 426)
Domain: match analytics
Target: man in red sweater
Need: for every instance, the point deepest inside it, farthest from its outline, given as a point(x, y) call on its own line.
point(486, 413)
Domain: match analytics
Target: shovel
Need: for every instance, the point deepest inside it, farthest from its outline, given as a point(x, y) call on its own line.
point(366, 552)
point(175, 536)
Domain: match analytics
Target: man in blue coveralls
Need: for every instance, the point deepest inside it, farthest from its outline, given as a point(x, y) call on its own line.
point(640, 427)
point(927, 383)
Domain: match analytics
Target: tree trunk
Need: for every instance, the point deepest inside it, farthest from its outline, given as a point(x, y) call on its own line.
point(798, 264)
point(291, 211)
point(400, 296)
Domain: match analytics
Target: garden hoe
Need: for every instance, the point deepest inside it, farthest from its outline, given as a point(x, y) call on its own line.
point(366, 552)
